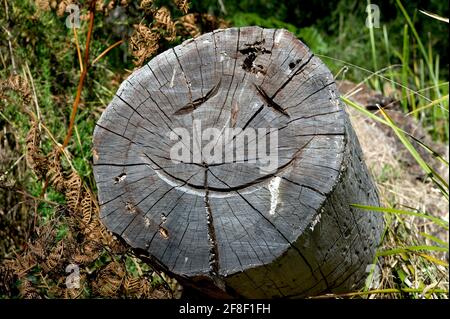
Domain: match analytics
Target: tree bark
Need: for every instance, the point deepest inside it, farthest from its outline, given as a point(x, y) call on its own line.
point(235, 227)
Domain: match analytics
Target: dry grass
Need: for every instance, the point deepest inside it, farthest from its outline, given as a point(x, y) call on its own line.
point(401, 187)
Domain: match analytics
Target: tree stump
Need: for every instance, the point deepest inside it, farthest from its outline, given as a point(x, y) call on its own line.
point(264, 212)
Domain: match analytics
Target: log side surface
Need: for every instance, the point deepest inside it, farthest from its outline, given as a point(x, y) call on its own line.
point(235, 227)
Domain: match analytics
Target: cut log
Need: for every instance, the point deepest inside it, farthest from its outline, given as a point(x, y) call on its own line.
point(231, 163)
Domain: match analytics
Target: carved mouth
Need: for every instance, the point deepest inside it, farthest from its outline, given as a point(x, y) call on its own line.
point(219, 192)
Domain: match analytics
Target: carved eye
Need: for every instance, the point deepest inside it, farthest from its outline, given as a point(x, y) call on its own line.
point(191, 106)
point(270, 102)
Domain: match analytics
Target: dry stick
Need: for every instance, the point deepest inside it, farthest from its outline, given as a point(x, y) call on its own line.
point(25, 194)
point(83, 74)
point(35, 98)
point(13, 63)
point(6, 10)
point(106, 51)
point(84, 67)
point(33, 226)
point(3, 175)
point(80, 59)
point(3, 59)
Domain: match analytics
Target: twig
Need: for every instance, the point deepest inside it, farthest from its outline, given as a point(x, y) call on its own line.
point(434, 16)
point(3, 176)
point(76, 102)
point(38, 111)
point(23, 272)
point(80, 59)
point(37, 198)
point(3, 59)
point(35, 217)
point(8, 120)
point(222, 7)
point(44, 281)
point(13, 62)
point(6, 10)
point(106, 51)
point(44, 187)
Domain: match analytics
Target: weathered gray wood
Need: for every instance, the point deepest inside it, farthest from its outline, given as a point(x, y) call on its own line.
point(229, 229)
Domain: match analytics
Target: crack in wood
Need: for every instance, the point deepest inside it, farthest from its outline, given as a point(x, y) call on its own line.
point(297, 72)
point(188, 83)
point(213, 249)
point(270, 222)
point(270, 102)
point(193, 105)
point(313, 93)
point(232, 77)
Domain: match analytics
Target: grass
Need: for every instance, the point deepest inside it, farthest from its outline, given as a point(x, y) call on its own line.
point(403, 136)
point(413, 263)
point(411, 260)
point(438, 221)
point(415, 84)
point(373, 47)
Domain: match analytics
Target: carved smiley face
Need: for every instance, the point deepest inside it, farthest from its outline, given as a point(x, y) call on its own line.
point(231, 128)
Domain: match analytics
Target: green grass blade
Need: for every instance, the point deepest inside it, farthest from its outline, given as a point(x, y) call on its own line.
point(435, 177)
point(382, 76)
point(405, 67)
point(435, 154)
point(436, 220)
point(434, 238)
point(378, 119)
point(433, 103)
point(373, 48)
point(410, 249)
point(421, 46)
point(434, 259)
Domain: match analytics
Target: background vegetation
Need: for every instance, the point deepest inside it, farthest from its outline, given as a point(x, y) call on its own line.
point(48, 207)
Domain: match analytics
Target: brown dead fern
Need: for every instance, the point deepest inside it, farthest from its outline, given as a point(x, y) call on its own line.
point(182, 5)
point(27, 290)
point(6, 279)
point(54, 257)
point(143, 43)
point(78, 291)
point(35, 160)
point(147, 7)
point(55, 171)
point(74, 192)
point(110, 279)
